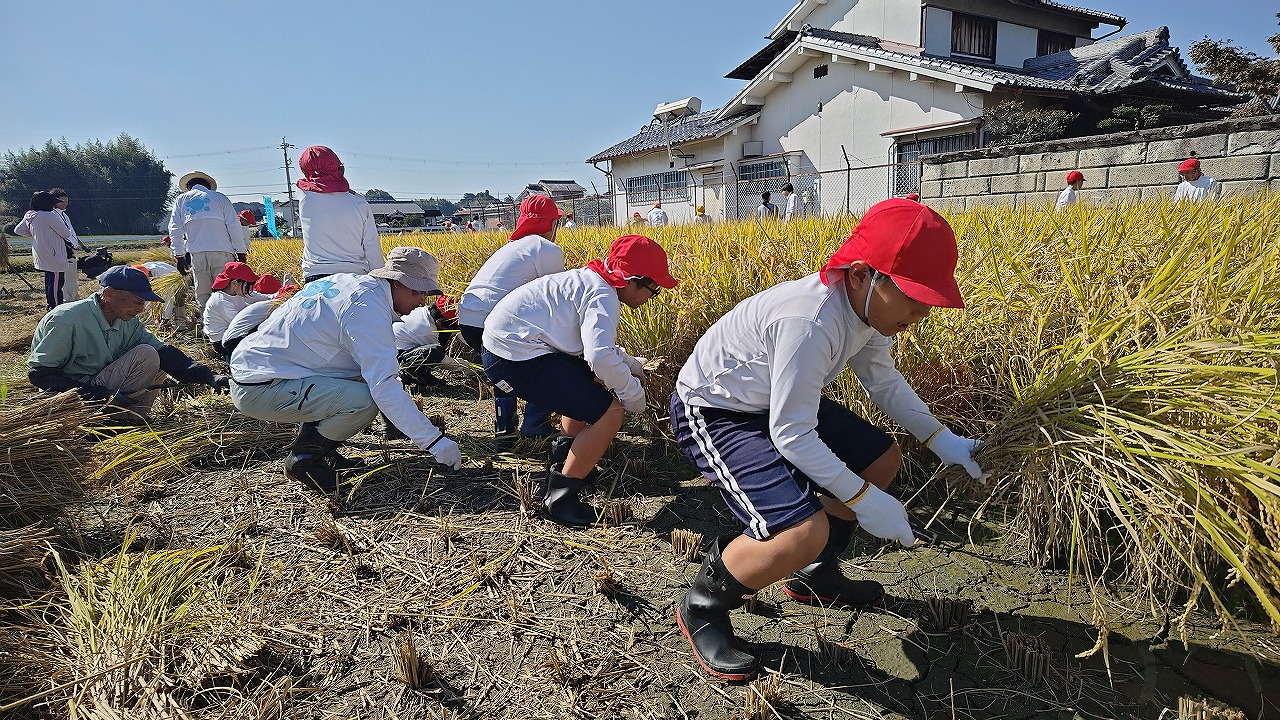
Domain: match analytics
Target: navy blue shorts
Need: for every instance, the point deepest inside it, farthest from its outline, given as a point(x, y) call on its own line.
point(764, 490)
point(555, 381)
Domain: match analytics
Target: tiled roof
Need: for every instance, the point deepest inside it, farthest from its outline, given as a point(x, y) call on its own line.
point(1106, 17)
point(391, 208)
point(654, 136)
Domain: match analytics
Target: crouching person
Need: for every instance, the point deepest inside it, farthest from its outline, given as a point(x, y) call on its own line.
point(797, 469)
point(419, 345)
point(553, 342)
point(99, 348)
point(326, 359)
point(233, 291)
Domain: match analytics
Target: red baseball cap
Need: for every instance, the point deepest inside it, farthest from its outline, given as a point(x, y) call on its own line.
point(911, 244)
point(915, 197)
point(538, 214)
point(247, 216)
point(1075, 176)
point(1189, 165)
point(234, 271)
point(633, 256)
point(268, 284)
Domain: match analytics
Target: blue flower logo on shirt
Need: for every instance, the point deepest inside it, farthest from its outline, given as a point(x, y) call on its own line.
point(317, 290)
point(197, 204)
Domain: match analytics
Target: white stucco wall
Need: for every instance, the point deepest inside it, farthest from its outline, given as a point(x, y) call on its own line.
point(894, 20)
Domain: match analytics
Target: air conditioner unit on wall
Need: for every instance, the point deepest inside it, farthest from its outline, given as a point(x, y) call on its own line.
point(753, 148)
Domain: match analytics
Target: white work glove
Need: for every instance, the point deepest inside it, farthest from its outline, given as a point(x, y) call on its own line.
point(635, 365)
point(447, 453)
point(637, 404)
point(955, 450)
point(883, 515)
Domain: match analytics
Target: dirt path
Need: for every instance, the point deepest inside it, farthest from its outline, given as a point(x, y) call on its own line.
point(520, 618)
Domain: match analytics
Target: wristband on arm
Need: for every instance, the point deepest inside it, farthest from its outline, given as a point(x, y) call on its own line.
point(866, 485)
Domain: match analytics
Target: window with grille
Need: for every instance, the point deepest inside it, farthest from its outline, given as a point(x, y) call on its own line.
point(673, 185)
point(1050, 42)
point(973, 36)
point(906, 174)
point(762, 170)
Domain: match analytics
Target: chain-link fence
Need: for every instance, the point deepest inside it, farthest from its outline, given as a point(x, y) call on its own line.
point(830, 192)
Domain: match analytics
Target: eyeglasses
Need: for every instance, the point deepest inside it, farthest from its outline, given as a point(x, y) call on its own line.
point(653, 290)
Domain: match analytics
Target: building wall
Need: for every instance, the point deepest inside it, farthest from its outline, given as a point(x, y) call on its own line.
point(1244, 154)
point(893, 20)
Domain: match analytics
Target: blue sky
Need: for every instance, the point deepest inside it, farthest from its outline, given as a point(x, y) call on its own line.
point(418, 98)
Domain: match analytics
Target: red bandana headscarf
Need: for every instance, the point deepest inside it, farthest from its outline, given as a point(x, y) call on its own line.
point(321, 170)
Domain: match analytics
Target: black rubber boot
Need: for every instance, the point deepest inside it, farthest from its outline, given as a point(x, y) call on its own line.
point(392, 432)
point(341, 462)
point(308, 460)
point(559, 452)
point(563, 502)
point(821, 582)
point(703, 616)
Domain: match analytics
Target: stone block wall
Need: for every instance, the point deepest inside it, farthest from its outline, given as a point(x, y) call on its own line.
point(1243, 154)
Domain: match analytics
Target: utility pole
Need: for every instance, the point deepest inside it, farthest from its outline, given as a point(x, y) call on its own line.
point(288, 187)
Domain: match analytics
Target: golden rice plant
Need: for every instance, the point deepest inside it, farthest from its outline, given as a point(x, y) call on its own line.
point(140, 633)
point(22, 552)
point(42, 453)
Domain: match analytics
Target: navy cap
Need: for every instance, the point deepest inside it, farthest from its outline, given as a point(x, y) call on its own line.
point(130, 279)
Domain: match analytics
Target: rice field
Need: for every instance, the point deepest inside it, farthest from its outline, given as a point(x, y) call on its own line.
point(1121, 363)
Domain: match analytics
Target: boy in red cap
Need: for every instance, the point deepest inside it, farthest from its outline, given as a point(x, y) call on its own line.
point(530, 253)
point(233, 291)
point(1195, 185)
point(1069, 195)
point(554, 342)
point(796, 468)
point(418, 344)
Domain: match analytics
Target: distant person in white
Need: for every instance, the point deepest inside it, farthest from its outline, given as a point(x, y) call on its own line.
point(1195, 185)
point(569, 224)
point(204, 232)
point(70, 288)
point(339, 234)
point(658, 216)
point(788, 192)
point(1069, 195)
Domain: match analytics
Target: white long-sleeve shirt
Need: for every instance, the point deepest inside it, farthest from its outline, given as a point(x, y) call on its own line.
point(1067, 198)
point(338, 234)
point(204, 220)
point(790, 208)
point(511, 266)
point(658, 217)
point(417, 328)
point(221, 308)
point(574, 312)
point(1202, 188)
point(774, 353)
point(249, 318)
point(338, 327)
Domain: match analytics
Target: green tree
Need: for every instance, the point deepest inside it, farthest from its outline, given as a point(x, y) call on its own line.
point(413, 221)
point(1131, 117)
point(1229, 64)
point(445, 207)
point(376, 195)
point(1013, 122)
point(115, 187)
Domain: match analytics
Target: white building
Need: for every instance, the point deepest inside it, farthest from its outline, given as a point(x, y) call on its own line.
point(848, 94)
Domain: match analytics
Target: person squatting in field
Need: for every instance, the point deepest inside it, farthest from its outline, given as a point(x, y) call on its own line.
point(247, 320)
point(420, 347)
point(530, 253)
point(554, 342)
point(99, 348)
point(797, 469)
point(233, 291)
point(295, 367)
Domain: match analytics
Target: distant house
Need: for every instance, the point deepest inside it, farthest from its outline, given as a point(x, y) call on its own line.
point(555, 189)
point(385, 212)
point(876, 84)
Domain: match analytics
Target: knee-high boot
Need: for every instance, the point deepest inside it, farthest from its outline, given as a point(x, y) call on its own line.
point(703, 616)
point(308, 460)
